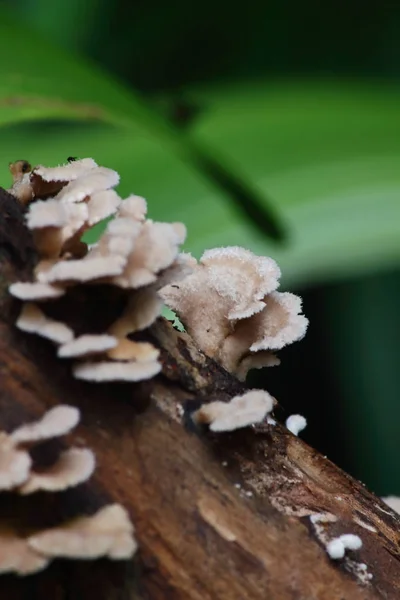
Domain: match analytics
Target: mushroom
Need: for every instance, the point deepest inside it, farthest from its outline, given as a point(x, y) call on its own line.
point(17, 557)
point(129, 350)
point(156, 248)
point(116, 371)
point(35, 291)
point(73, 467)
point(142, 309)
point(14, 464)
point(133, 207)
point(337, 547)
point(33, 320)
point(89, 182)
point(108, 533)
point(86, 345)
point(101, 205)
point(83, 270)
point(241, 411)
point(296, 423)
point(65, 173)
point(230, 307)
point(55, 422)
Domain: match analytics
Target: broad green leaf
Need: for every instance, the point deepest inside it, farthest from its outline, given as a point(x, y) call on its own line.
point(330, 157)
point(42, 81)
point(329, 154)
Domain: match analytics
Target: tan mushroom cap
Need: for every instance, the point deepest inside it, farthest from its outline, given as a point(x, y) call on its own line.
point(108, 533)
point(256, 360)
point(17, 557)
point(138, 351)
point(87, 344)
point(95, 180)
point(116, 371)
point(241, 411)
point(35, 291)
point(55, 422)
point(143, 308)
point(14, 464)
point(33, 320)
point(73, 467)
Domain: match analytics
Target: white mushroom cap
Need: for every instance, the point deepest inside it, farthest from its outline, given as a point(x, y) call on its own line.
point(35, 291)
point(86, 269)
point(87, 344)
point(116, 371)
point(67, 172)
point(77, 219)
point(239, 412)
point(33, 320)
point(73, 467)
point(55, 422)
point(143, 308)
point(118, 239)
point(102, 205)
point(133, 207)
point(107, 533)
point(95, 180)
point(155, 249)
point(46, 213)
point(14, 465)
point(281, 323)
point(17, 557)
point(241, 277)
point(296, 423)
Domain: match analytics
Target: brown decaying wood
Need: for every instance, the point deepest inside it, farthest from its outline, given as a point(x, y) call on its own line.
point(221, 517)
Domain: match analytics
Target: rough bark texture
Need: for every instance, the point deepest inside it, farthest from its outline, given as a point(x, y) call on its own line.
point(217, 517)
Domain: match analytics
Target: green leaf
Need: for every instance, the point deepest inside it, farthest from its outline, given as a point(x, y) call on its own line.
point(329, 154)
point(41, 81)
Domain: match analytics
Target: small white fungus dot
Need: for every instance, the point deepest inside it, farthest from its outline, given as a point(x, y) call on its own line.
point(296, 423)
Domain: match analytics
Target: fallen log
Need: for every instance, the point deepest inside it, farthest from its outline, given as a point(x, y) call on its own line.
point(227, 516)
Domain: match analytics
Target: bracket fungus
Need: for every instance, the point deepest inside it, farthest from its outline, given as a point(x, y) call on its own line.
point(130, 257)
point(241, 411)
point(107, 533)
point(16, 465)
point(230, 306)
point(228, 301)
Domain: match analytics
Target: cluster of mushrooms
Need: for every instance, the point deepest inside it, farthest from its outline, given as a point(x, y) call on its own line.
point(227, 301)
point(107, 533)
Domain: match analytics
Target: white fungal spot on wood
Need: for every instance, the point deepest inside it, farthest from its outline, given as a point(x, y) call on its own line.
point(296, 423)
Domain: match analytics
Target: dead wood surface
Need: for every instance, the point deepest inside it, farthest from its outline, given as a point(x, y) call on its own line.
point(217, 517)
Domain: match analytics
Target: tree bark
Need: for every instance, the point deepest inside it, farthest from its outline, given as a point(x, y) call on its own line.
point(217, 517)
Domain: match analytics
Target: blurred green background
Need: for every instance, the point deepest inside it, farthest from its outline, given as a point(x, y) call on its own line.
point(275, 126)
